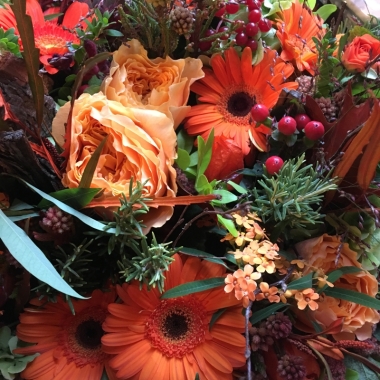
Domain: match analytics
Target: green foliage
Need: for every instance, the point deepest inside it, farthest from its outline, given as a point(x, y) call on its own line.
point(354, 297)
point(98, 27)
point(9, 42)
point(149, 264)
point(11, 364)
point(358, 31)
point(273, 6)
point(327, 64)
point(292, 198)
point(325, 11)
point(356, 367)
point(259, 315)
point(4, 3)
point(302, 283)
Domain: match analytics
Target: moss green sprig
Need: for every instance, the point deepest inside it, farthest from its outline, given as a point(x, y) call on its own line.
point(292, 198)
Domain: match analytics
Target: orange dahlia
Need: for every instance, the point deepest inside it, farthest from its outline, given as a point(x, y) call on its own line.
point(69, 345)
point(229, 91)
point(295, 28)
point(50, 38)
point(171, 339)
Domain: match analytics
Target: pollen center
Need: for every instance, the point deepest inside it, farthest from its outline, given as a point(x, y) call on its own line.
point(177, 326)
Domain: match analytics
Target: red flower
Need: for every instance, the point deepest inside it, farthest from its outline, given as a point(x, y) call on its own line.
point(50, 37)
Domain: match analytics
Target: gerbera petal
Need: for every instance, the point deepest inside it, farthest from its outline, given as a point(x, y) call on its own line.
point(173, 275)
point(225, 334)
point(34, 10)
point(219, 67)
point(145, 300)
point(156, 367)
point(121, 338)
point(246, 65)
point(190, 269)
point(233, 66)
point(40, 366)
point(74, 13)
point(215, 359)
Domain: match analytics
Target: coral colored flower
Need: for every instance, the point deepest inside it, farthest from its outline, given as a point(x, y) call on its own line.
point(226, 158)
point(228, 92)
point(156, 84)
point(141, 146)
point(69, 345)
point(50, 38)
point(307, 298)
point(360, 52)
point(321, 252)
point(296, 27)
point(155, 338)
point(269, 293)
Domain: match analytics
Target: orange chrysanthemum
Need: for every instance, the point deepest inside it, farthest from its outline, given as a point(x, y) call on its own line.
point(69, 345)
point(49, 37)
point(295, 28)
point(229, 91)
point(165, 339)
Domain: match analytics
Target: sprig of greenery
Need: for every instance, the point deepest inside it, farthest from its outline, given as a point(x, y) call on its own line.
point(292, 198)
point(9, 41)
point(149, 264)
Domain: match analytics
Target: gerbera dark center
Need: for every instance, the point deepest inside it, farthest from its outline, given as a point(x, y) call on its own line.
point(240, 104)
point(89, 334)
point(175, 326)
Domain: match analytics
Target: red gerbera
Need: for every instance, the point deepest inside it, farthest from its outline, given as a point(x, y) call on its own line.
point(50, 38)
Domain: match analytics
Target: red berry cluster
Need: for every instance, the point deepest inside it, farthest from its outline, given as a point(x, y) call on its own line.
point(314, 130)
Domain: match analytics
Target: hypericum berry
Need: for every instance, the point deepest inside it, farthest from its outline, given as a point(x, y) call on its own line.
point(224, 29)
point(232, 7)
point(240, 29)
point(274, 164)
point(301, 119)
point(251, 29)
point(264, 25)
point(253, 44)
point(221, 11)
point(253, 4)
point(241, 39)
point(254, 16)
point(314, 130)
point(259, 112)
point(287, 125)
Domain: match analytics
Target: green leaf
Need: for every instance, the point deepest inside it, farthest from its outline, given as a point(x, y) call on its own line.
point(258, 316)
point(364, 372)
point(202, 185)
point(215, 317)
point(355, 297)
point(302, 283)
point(275, 6)
point(183, 159)
point(76, 198)
point(194, 287)
point(204, 153)
point(204, 255)
point(90, 168)
point(237, 187)
point(336, 274)
point(31, 257)
point(311, 3)
point(226, 195)
point(184, 141)
point(229, 225)
point(113, 33)
point(325, 11)
point(351, 374)
point(52, 16)
point(31, 56)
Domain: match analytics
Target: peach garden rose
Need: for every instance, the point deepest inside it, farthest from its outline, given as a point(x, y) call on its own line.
point(141, 145)
point(321, 253)
point(158, 84)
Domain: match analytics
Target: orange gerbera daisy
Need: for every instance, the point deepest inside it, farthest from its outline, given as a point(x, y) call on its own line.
point(69, 345)
point(170, 339)
point(50, 38)
point(229, 91)
point(295, 28)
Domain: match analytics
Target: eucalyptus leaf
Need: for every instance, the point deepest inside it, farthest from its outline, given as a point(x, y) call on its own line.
point(325, 11)
point(302, 283)
point(204, 255)
point(258, 316)
point(194, 287)
point(355, 297)
point(31, 257)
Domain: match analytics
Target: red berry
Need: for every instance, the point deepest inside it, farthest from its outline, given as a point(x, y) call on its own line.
point(259, 112)
point(221, 11)
point(314, 130)
point(274, 164)
point(240, 29)
point(241, 39)
point(204, 45)
point(301, 119)
point(254, 16)
point(253, 44)
point(287, 125)
point(232, 7)
point(251, 29)
point(224, 29)
point(253, 4)
point(264, 25)
point(209, 32)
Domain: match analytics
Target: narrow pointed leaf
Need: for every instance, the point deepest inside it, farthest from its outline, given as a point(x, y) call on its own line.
point(204, 255)
point(302, 283)
point(89, 170)
point(194, 287)
point(258, 316)
point(355, 297)
point(216, 316)
point(31, 257)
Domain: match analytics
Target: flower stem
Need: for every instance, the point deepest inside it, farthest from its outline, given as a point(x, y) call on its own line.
point(247, 345)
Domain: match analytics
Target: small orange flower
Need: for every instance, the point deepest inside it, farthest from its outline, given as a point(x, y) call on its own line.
point(305, 298)
point(322, 281)
point(296, 27)
point(300, 263)
point(271, 294)
point(266, 266)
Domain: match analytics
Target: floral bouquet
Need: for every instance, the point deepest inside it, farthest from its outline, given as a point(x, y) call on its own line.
point(189, 190)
